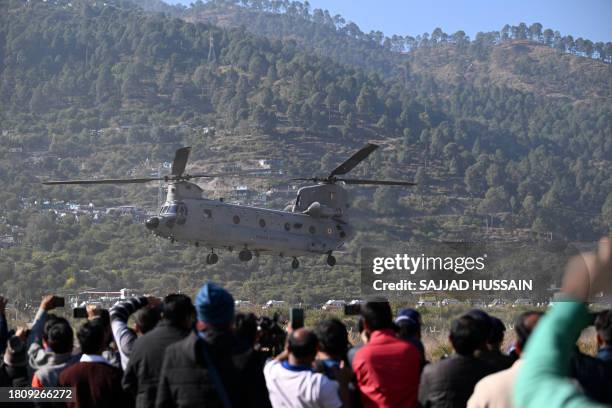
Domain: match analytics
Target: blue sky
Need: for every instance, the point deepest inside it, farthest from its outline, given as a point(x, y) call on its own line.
point(580, 18)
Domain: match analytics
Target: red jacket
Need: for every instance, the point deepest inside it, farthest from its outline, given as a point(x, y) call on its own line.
point(388, 371)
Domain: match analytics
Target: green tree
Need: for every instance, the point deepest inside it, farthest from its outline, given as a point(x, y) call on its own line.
point(366, 101)
point(165, 84)
point(104, 84)
point(38, 102)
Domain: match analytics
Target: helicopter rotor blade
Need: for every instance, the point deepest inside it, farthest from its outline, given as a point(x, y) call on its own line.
point(244, 173)
point(354, 160)
point(377, 182)
point(102, 181)
point(313, 179)
point(180, 161)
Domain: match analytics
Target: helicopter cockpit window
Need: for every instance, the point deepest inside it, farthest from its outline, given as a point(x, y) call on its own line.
point(169, 209)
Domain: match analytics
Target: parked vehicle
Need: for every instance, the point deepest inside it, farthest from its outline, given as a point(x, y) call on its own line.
point(522, 302)
point(497, 303)
point(333, 305)
point(273, 303)
point(449, 302)
point(426, 303)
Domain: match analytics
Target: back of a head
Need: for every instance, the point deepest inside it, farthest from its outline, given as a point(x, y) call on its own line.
point(15, 354)
point(147, 318)
point(91, 337)
point(246, 327)
point(525, 323)
point(302, 344)
point(406, 329)
point(333, 337)
point(496, 334)
point(60, 337)
point(408, 324)
point(177, 309)
point(603, 326)
point(377, 315)
point(215, 305)
point(484, 324)
point(49, 321)
point(466, 335)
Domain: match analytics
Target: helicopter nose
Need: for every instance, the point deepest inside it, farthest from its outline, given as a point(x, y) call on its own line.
point(152, 223)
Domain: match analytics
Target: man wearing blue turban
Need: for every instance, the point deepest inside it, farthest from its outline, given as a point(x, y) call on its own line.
point(210, 367)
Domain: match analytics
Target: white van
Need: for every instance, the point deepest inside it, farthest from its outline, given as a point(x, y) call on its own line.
point(273, 303)
point(333, 305)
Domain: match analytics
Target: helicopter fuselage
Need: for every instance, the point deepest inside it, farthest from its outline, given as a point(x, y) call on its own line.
point(217, 224)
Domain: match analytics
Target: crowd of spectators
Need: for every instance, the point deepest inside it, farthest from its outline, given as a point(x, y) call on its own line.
point(184, 353)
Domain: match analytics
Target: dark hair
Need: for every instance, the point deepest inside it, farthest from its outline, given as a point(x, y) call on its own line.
point(104, 317)
point(147, 318)
point(303, 347)
point(484, 322)
point(466, 335)
point(333, 337)
point(377, 314)
point(49, 321)
point(522, 329)
point(407, 329)
point(246, 327)
point(91, 336)
point(177, 308)
point(60, 337)
point(496, 334)
point(603, 325)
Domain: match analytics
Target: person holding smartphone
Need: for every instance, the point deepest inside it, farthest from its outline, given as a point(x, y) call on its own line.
point(333, 346)
point(50, 344)
point(38, 353)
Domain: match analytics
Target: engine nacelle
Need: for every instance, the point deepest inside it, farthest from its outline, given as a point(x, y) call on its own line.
point(318, 210)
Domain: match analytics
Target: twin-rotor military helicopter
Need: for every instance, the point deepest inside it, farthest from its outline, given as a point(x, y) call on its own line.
point(316, 224)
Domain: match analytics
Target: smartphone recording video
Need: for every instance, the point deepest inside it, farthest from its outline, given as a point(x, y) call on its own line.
point(296, 318)
point(79, 313)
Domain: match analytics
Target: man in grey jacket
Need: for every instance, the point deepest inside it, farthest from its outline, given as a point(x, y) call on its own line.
point(146, 310)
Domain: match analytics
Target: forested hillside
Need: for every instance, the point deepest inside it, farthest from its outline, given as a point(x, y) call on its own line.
point(514, 135)
point(321, 33)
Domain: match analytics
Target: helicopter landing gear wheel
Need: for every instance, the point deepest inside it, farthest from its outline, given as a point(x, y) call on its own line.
point(245, 255)
point(331, 260)
point(295, 263)
point(212, 259)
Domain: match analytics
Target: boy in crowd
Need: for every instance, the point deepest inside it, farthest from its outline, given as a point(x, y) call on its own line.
point(96, 382)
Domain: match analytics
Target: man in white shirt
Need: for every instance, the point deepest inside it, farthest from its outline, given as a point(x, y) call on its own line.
point(292, 383)
point(495, 390)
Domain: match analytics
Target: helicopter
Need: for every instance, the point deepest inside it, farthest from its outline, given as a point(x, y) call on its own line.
point(316, 223)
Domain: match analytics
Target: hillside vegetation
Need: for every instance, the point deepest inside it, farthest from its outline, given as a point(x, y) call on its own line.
point(512, 135)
